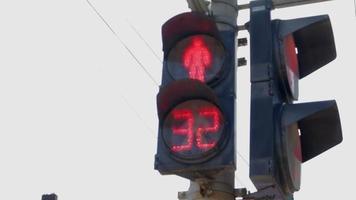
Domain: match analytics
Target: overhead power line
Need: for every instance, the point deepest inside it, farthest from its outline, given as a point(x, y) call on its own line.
point(122, 96)
point(122, 42)
point(138, 115)
point(143, 39)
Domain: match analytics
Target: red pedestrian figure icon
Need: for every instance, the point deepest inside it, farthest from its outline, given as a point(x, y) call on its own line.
point(197, 58)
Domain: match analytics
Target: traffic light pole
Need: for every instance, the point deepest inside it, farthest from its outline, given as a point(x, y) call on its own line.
point(225, 14)
point(221, 186)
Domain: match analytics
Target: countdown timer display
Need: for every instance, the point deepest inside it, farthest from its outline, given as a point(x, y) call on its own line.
point(193, 129)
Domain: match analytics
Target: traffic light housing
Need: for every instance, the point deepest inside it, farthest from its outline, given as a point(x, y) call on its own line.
point(196, 101)
point(283, 134)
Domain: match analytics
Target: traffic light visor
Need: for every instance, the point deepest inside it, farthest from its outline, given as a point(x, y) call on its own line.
point(319, 124)
point(314, 40)
point(180, 91)
point(184, 25)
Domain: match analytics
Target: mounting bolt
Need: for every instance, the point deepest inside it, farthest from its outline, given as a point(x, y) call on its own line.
point(241, 42)
point(241, 62)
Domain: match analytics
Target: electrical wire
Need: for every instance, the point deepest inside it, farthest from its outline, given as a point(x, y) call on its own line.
point(139, 116)
point(143, 39)
point(122, 42)
point(126, 47)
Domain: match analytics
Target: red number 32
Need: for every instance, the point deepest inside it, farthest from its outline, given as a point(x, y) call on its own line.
point(206, 122)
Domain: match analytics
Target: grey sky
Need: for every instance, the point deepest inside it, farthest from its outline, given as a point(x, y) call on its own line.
point(65, 80)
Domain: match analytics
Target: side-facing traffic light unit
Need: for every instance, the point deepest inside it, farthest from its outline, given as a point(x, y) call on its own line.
point(196, 101)
point(283, 134)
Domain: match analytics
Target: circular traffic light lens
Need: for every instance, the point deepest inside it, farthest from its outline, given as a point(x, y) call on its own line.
point(193, 130)
point(293, 151)
point(291, 65)
point(196, 57)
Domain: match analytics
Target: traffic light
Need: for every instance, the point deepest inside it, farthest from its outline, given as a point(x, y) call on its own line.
point(283, 135)
point(196, 101)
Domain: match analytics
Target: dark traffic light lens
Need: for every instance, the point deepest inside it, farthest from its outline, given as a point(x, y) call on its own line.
point(293, 151)
point(196, 57)
point(193, 129)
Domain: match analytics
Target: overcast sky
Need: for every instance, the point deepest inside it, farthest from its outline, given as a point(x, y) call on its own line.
point(78, 114)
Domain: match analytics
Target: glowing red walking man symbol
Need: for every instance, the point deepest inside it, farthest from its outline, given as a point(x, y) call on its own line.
point(197, 58)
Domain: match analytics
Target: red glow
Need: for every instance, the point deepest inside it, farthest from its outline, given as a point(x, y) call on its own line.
point(196, 58)
point(208, 113)
point(195, 125)
point(291, 55)
point(187, 116)
point(292, 68)
point(298, 150)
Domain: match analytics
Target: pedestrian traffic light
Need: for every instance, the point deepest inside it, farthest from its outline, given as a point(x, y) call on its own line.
point(196, 101)
point(283, 135)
